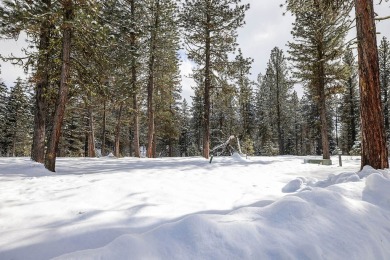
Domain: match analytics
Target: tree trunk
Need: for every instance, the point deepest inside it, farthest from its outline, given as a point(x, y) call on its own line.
point(118, 131)
point(352, 116)
point(136, 127)
point(151, 83)
point(170, 149)
point(52, 147)
point(322, 106)
point(386, 108)
point(103, 151)
point(279, 112)
point(154, 147)
point(42, 84)
point(134, 85)
point(14, 144)
point(374, 150)
point(91, 134)
point(336, 126)
point(86, 140)
point(207, 87)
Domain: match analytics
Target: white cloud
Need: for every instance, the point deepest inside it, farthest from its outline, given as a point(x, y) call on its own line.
point(187, 82)
point(9, 72)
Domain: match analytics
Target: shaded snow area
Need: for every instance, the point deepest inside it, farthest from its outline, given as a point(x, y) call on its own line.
point(187, 208)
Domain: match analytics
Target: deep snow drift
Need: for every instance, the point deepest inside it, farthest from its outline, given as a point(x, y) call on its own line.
point(186, 208)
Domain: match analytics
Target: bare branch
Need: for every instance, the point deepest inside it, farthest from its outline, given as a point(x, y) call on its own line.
point(382, 18)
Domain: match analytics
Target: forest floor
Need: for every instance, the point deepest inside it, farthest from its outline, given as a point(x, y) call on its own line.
point(187, 208)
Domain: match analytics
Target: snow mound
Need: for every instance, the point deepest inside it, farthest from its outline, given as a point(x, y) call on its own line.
point(237, 157)
point(111, 156)
point(377, 190)
point(293, 185)
point(234, 158)
point(336, 179)
point(318, 224)
point(367, 171)
point(301, 183)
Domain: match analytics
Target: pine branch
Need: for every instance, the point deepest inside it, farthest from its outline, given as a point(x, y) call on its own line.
point(382, 18)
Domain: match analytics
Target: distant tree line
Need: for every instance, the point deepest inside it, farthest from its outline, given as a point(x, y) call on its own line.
point(105, 79)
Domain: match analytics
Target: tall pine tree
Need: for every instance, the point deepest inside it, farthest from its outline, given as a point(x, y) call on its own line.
point(319, 31)
point(384, 73)
point(18, 125)
point(349, 105)
point(210, 32)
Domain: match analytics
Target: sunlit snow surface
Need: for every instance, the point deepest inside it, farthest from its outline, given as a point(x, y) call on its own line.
point(187, 208)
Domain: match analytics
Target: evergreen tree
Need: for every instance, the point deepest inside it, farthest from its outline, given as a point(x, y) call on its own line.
point(280, 89)
point(311, 128)
point(319, 32)
point(18, 126)
point(273, 102)
point(349, 105)
point(293, 125)
point(134, 68)
point(154, 32)
point(37, 19)
point(73, 133)
point(185, 129)
point(241, 74)
point(167, 82)
point(3, 116)
point(224, 112)
point(62, 97)
point(210, 32)
point(384, 74)
point(197, 115)
point(264, 138)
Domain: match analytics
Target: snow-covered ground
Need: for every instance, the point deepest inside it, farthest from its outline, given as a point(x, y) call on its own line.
point(187, 208)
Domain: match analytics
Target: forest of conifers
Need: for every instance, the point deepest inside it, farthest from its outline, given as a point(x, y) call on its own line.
point(104, 77)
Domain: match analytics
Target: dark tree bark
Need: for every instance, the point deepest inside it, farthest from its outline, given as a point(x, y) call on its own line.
point(134, 86)
point(52, 147)
point(42, 84)
point(14, 144)
point(279, 112)
point(154, 148)
point(170, 148)
point(104, 129)
point(118, 131)
point(91, 134)
point(151, 131)
point(386, 109)
point(322, 106)
point(89, 148)
point(374, 151)
point(207, 87)
point(352, 116)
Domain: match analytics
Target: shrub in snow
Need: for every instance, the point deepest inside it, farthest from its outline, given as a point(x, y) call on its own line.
point(356, 149)
point(269, 149)
point(247, 147)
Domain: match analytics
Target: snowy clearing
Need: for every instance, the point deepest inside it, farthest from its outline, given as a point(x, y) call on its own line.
point(186, 208)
